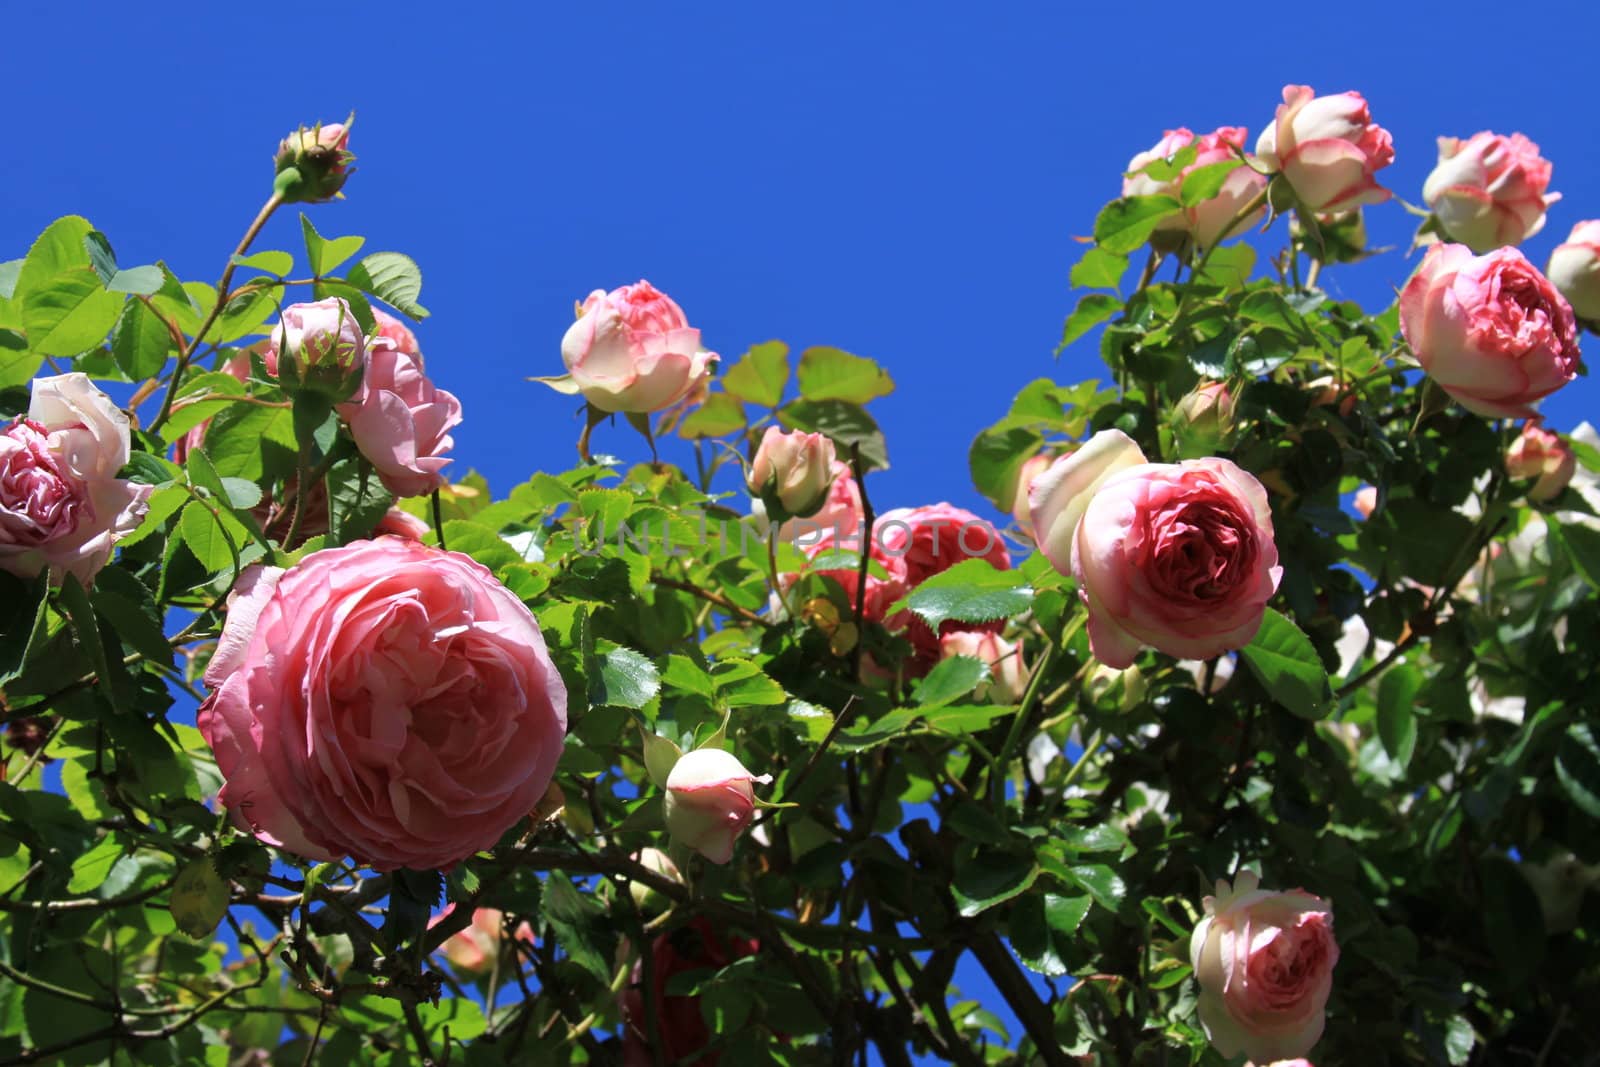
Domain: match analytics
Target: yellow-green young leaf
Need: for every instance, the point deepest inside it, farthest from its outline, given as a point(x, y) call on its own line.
point(719, 416)
point(199, 898)
point(141, 343)
point(1206, 181)
point(276, 263)
point(1099, 269)
point(1286, 663)
point(661, 754)
point(1123, 225)
point(201, 397)
point(69, 313)
point(626, 679)
point(832, 374)
point(951, 678)
point(760, 375)
point(89, 870)
point(214, 537)
point(325, 255)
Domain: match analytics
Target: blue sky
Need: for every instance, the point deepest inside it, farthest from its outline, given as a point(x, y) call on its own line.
point(902, 182)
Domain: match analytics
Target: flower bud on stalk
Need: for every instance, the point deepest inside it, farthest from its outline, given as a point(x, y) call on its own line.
point(320, 349)
point(313, 165)
point(1544, 457)
point(1204, 420)
point(792, 473)
point(709, 801)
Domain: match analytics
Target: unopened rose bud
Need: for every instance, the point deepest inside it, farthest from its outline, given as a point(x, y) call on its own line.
point(1541, 455)
point(1008, 675)
point(649, 900)
point(1059, 496)
point(313, 164)
point(320, 348)
point(1366, 501)
point(709, 801)
point(792, 473)
point(1575, 270)
point(1327, 392)
point(472, 951)
point(1125, 689)
point(1203, 420)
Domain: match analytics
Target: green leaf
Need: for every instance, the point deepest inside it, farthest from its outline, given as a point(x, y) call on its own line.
point(87, 631)
point(996, 458)
point(1065, 914)
point(357, 501)
point(1092, 310)
point(1268, 307)
point(950, 678)
point(141, 342)
point(1425, 537)
point(718, 416)
point(1206, 181)
point(393, 278)
point(989, 877)
point(1397, 721)
point(270, 262)
point(971, 591)
point(832, 374)
point(69, 313)
point(1508, 901)
point(213, 537)
point(661, 754)
point(847, 424)
point(684, 673)
point(479, 542)
point(324, 255)
point(1578, 768)
point(1583, 548)
point(1032, 938)
point(1167, 168)
point(89, 871)
point(626, 680)
point(1099, 269)
point(1228, 267)
point(760, 375)
point(128, 606)
point(1286, 663)
point(1123, 225)
point(199, 898)
point(1096, 879)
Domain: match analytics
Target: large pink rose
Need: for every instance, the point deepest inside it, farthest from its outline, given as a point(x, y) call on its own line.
point(1264, 962)
point(1490, 330)
point(62, 506)
point(1489, 190)
point(1176, 556)
point(632, 349)
point(400, 420)
point(385, 701)
point(1574, 269)
point(1206, 220)
point(1327, 148)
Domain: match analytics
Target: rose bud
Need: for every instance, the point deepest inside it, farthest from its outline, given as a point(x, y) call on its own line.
point(1329, 392)
point(840, 514)
point(473, 950)
point(1539, 454)
point(401, 421)
point(1008, 675)
point(709, 801)
point(792, 473)
point(1489, 330)
point(1060, 495)
point(62, 506)
point(1366, 501)
point(633, 350)
point(680, 1027)
point(1264, 962)
point(1179, 557)
point(1575, 269)
point(320, 348)
point(1203, 420)
point(648, 899)
point(1489, 190)
point(1031, 468)
point(313, 165)
point(385, 701)
point(1327, 148)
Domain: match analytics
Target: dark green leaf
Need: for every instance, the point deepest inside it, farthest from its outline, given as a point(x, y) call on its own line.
point(989, 877)
point(1578, 767)
point(996, 459)
point(971, 591)
point(141, 342)
point(1397, 721)
point(87, 630)
point(847, 424)
point(1288, 667)
point(393, 278)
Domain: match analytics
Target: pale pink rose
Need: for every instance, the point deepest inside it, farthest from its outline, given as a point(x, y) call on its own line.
point(401, 421)
point(385, 701)
point(1327, 148)
point(473, 949)
point(792, 472)
point(1179, 556)
point(396, 332)
point(1264, 962)
point(1490, 330)
point(840, 512)
point(1489, 190)
point(401, 524)
point(710, 802)
point(1058, 497)
point(1206, 220)
point(633, 350)
point(1575, 269)
point(1539, 454)
point(319, 345)
point(1135, 183)
point(1021, 509)
point(1008, 675)
point(62, 506)
point(1366, 501)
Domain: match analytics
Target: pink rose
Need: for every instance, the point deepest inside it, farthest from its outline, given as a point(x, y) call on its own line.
point(1490, 330)
point(840, 511)
point(1489, 190)
point(401, 421)
point(1327, 148)
point(62, 506)
point(935, 537)
point(385, 701)
point(473, 950)
point(1204, 221)
point(1031, 468)
point(709, 801)
point(1008, 675)
point(399, 523)
point(633, 350)
point(1575, 269)
point(319, 346)
point(1176, 556)
point(396, 332)
point(792, 472)
point(1366, 501)
point(1264, 962)
point(1059, 496)
point(1539, 454)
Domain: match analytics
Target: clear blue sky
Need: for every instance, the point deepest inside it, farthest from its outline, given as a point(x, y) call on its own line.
point(898, 180)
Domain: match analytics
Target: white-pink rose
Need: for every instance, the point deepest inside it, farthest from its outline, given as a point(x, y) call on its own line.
point(1575, 269)
point(1489, 190)
point(1207, 220)
point(1008, 675)
point(473, 950)
point(633, 350)
point(839, 517)
point(1264, 962)
point(62, 506)
point(710, 802)
point(1543, 457)
point(1327, 148)
point(400, 420)
point(1366, 501)
point(385, 701)
point(1021, 508)
point(792, 472)
point(1179, 557)
point(1059, 496)
point(1490, 330)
